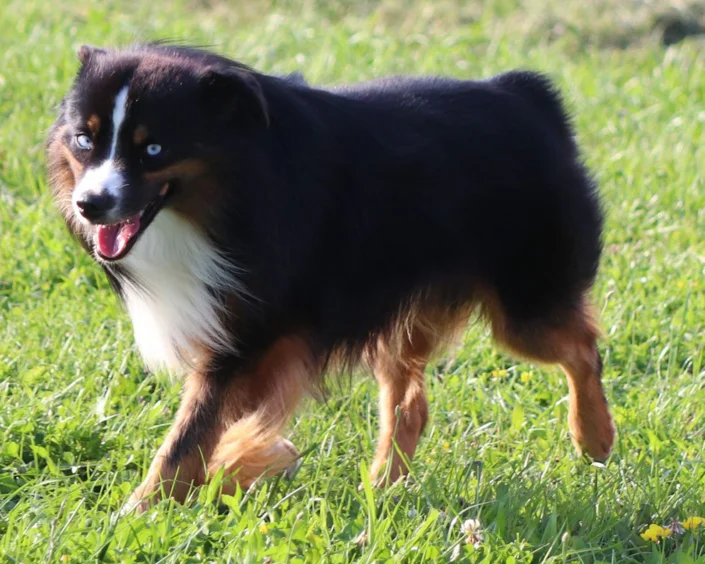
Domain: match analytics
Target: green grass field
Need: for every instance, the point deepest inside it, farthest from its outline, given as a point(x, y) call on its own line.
point(80, 419)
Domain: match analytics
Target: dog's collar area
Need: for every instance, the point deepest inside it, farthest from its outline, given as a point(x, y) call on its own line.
point(112, 242)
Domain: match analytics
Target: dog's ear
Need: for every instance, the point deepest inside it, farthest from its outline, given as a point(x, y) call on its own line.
point(87, 52)
point(236, 94)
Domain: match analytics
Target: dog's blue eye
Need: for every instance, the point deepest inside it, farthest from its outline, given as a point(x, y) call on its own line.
point(84, 142)
point(153, 149)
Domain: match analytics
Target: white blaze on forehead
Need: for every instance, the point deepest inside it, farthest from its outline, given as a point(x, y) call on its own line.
point(119, 113)
point(106, 177)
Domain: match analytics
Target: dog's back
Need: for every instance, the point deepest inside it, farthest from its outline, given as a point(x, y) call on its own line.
point(451, 186)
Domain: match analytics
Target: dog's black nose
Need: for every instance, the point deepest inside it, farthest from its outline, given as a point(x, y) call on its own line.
point(95, 207)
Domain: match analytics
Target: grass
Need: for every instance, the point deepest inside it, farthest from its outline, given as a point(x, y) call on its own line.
point(80, 419)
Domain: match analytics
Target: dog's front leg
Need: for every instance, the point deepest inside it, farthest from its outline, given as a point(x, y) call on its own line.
point(231, 417)
point(257, 405)
point(180, 462)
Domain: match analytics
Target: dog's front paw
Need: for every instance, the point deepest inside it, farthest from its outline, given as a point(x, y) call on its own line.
point(292, 453)
point(245, 460)
point(282, 457)
point(140, 501)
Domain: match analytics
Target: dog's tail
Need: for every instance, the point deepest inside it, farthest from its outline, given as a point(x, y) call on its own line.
point(539, 91)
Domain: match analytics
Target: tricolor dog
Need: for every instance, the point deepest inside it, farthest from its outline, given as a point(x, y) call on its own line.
point(262, 232)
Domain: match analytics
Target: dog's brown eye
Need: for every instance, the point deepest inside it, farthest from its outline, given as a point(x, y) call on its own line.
point(153, 149)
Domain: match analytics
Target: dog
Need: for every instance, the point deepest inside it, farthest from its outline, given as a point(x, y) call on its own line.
point(262, 232)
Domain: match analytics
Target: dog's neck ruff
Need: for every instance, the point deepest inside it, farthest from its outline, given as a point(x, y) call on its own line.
point(173, 292)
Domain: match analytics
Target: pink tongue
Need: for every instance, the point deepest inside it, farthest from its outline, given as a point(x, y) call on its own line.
point(112, 239)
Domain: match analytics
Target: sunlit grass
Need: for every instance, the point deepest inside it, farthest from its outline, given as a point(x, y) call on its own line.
point(80, 419)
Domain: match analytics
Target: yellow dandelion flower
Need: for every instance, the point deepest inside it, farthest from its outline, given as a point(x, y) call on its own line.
point(499, 373)
point(655, 533)
point(446, 445)
point(525, 377)
point(692, 523)
point(428, 460)
point(263, 528)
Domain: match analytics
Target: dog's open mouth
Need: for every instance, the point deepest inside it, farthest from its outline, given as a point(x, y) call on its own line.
point(114, 241)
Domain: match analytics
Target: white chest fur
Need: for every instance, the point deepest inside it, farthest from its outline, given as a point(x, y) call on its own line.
point(174, 305)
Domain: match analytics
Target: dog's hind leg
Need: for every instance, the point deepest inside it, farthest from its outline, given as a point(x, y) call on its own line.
point(568, 339)
point(398, 363)
point(403, 409)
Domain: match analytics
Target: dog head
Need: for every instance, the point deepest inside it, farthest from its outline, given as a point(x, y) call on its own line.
point(143, 129)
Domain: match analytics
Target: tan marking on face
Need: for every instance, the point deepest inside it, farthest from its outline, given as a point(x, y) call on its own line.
point(94, 124)
point(187, 169)
point(76, 167)
point(64, 171)
point(61, 175)
point(140, 135)
point(197, 192)
point(61, 157)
